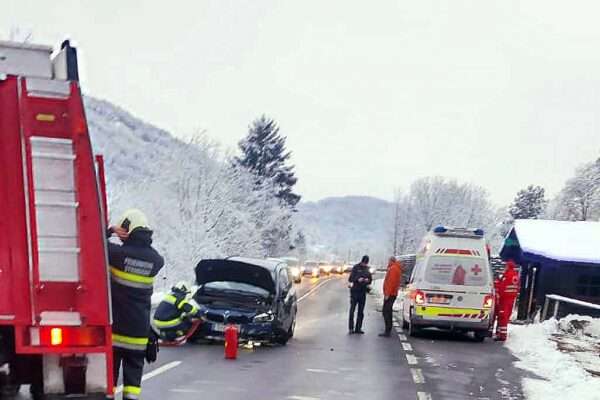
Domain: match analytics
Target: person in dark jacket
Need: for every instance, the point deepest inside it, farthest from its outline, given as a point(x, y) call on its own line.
point(359, 281)
point(133, 266)
point(173, 315)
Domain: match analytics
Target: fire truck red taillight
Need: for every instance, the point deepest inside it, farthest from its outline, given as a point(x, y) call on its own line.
point(68, 336)
point(56, 336)
point(488, 301)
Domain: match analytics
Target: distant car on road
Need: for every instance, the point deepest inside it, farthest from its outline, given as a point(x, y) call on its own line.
point(312, 269)
point(256, 295)
point(337, 267)
point(325, 267)
point(348, 268)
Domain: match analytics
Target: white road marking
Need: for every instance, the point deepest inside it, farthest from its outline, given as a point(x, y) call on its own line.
point(407, 347)
point(423, 396)
point(321, 371)
point(153, 373)
point(417, 375)
point(402, 337)
point(311, 291)
point(302, 398)
point(412, 360)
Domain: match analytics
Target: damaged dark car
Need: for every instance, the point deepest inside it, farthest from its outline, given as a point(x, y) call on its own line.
point(255, 295)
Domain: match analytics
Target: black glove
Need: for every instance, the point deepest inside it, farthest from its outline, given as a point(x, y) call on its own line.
point(152, 348)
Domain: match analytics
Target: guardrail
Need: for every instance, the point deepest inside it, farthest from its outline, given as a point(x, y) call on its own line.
point(561, 299)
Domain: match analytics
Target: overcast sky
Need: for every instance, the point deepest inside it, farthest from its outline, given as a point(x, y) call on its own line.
point(370, 94)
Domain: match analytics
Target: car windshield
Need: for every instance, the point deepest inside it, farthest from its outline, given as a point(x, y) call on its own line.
point(462, 271)
point(234, 287)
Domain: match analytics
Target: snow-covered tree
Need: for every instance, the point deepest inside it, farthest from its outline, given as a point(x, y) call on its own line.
point(436, 201)
point(265, 155)
point(579, 200)
point(530, 203)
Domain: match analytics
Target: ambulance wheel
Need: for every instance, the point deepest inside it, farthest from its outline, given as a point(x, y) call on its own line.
point(413, 330)
point(404, 324)
point(480, 335)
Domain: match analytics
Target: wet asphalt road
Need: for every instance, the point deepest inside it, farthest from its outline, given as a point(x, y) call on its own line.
point(455, 367)
point(321, 362)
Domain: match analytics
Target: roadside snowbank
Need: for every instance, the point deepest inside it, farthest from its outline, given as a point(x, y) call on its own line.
point(562, 375)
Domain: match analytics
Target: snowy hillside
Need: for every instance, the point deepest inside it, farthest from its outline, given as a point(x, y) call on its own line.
point(353, 223)
point(131, 147)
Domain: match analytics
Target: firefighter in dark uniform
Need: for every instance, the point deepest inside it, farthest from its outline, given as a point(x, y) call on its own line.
point(173, 316)
point(133, 266)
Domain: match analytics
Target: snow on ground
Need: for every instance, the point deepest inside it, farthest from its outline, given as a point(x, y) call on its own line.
point(561, 354)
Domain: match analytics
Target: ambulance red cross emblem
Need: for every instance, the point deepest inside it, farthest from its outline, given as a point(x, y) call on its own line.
point(476, 270)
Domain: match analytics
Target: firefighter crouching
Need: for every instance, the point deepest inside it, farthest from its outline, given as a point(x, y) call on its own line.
point(507, 290)
point(173, 316)
point(133, 266)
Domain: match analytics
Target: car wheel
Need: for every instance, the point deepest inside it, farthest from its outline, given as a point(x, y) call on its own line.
point(282, 338)
point(292, 329)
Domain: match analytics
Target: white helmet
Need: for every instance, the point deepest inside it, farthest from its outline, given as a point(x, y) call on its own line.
point(133, 219)
point(181, 287)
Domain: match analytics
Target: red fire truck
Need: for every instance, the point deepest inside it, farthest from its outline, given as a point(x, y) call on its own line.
point(54, 293)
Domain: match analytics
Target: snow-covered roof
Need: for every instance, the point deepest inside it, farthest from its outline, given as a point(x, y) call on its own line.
point(560, 240)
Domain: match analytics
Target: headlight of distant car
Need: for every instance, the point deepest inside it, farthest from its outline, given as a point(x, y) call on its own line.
point(295, 272)
point(372, 270)
point(327, 268)
point(315, 272)
point(264, 317)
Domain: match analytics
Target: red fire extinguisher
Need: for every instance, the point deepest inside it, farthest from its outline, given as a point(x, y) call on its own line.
point(231, 342)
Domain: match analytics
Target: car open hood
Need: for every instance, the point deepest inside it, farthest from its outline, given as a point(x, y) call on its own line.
point(234, 271)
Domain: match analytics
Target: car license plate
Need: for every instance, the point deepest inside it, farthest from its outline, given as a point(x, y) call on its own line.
point(221, 327)
point(439, 299)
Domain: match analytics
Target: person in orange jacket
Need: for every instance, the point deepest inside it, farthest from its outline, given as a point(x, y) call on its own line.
point(391, 284)
point(507, 290)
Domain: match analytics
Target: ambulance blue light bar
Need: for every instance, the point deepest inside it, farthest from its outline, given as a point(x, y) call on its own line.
point(458, 232)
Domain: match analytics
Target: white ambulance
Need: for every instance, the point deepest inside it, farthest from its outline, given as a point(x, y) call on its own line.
point(452, 284)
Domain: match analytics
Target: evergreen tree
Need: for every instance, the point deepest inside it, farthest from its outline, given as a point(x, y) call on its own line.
point(264, 154)
point(530, 203)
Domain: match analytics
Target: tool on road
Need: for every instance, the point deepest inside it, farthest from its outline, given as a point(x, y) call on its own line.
point(182, 339)
point(55, 320)
point(231, 342)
